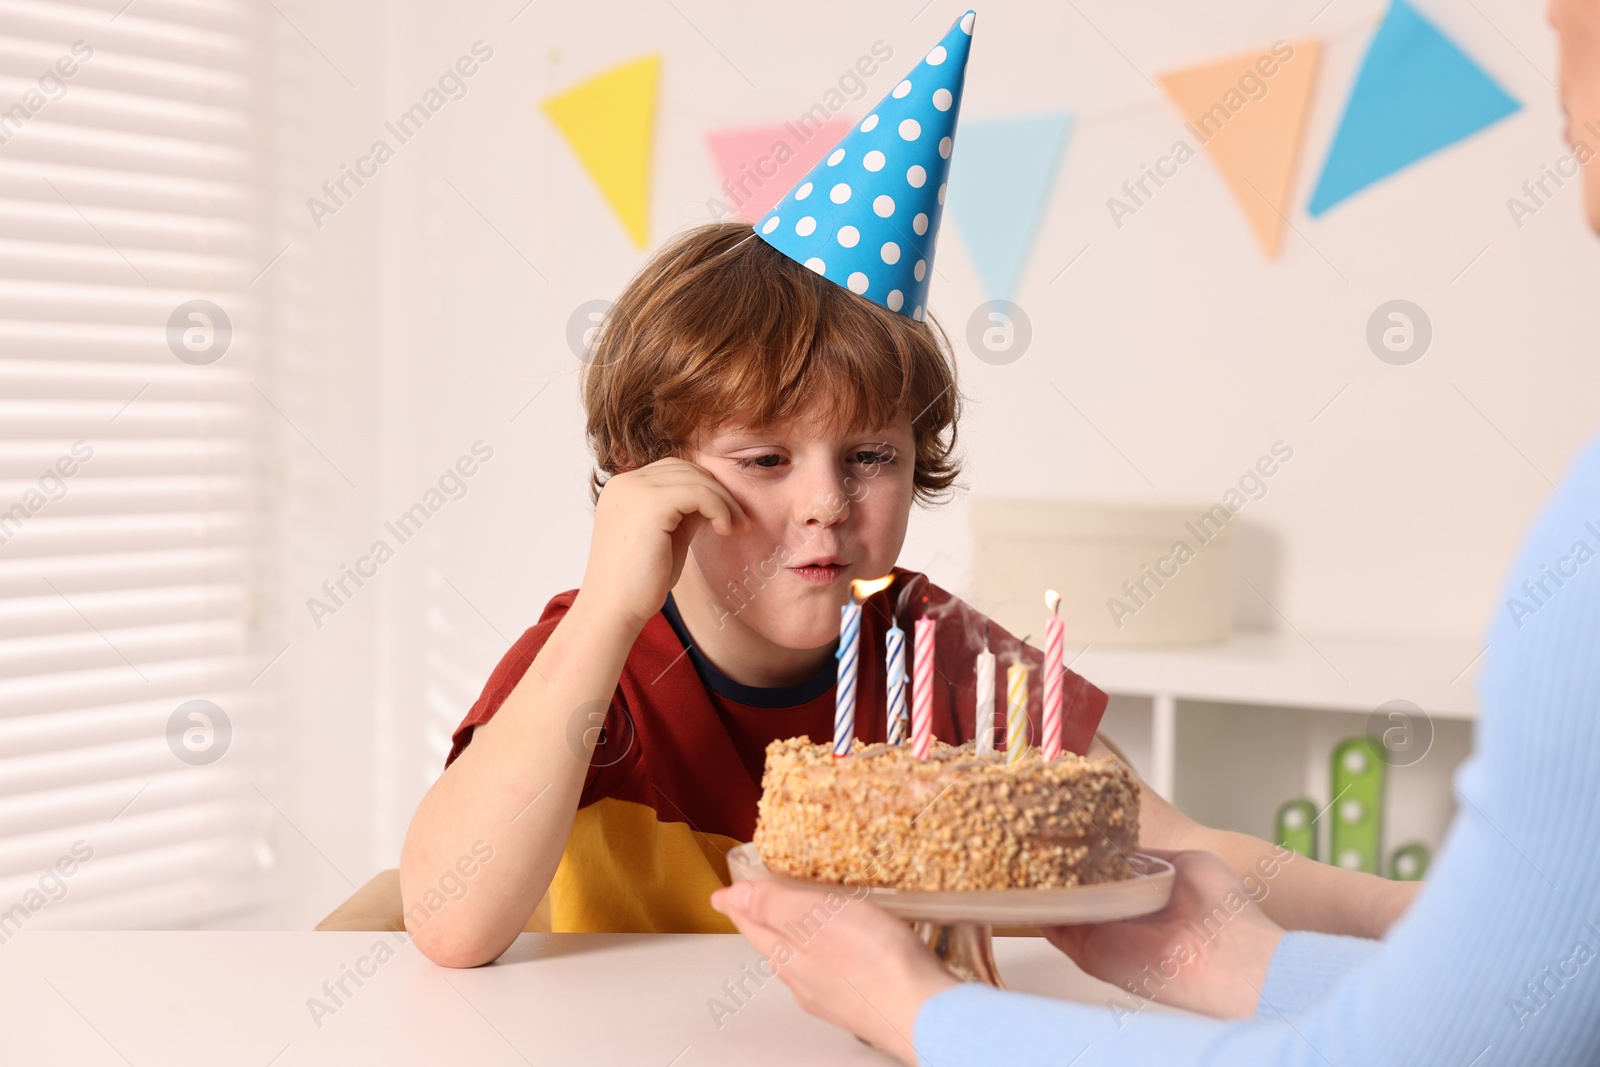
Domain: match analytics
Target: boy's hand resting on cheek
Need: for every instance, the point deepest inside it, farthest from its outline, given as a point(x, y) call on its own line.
point(1208, 950)
point(864, 970)
point(643, 524)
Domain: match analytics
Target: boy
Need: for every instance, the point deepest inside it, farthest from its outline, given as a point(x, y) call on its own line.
point(764, 408)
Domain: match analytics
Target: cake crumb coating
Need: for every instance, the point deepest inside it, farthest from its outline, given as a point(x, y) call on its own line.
point(957, 821)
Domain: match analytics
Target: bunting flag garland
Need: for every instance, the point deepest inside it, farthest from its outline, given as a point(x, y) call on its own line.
point(1249, 111)
point(999, 192)
point(1417, 92)
point(609, 121)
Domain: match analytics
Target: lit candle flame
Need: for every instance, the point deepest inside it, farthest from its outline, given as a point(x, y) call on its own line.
point(861, 588)
point(1052, 600)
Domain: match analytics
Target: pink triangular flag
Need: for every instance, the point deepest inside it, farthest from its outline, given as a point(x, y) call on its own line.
point(761, 163)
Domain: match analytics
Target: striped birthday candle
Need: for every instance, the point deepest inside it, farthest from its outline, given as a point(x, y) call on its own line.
point(1016, 712)
point(844, 699)
point(849, 656)
point(922, 690)
point(1054, 678)
point(895, 657)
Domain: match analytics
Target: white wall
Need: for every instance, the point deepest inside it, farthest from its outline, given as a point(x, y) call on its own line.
point(411, 326)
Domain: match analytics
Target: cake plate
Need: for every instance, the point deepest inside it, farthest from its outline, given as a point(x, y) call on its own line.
point(959, 926)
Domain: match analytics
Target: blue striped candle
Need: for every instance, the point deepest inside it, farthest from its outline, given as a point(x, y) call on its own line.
point(895, 642)
point(849, 655)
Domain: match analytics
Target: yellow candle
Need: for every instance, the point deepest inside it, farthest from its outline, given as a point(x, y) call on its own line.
point(1016, 712)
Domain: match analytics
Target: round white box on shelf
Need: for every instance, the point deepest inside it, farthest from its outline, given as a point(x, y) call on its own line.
point(1127, 575)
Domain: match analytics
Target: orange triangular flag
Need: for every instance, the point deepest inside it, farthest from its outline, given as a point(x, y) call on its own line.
point(609, 121)
point(1249, 111)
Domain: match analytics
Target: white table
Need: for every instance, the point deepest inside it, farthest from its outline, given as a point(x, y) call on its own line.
point(150, 998)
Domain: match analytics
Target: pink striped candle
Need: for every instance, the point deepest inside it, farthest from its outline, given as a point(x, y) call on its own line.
point(1054, 677)
point(922, 689)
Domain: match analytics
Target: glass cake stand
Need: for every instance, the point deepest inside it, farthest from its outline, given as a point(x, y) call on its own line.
point(959, 926)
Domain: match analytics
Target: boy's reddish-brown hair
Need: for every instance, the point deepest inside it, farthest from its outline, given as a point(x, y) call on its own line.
point(720, 326)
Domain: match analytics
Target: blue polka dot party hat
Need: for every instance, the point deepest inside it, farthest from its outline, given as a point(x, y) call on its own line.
point(867, 216)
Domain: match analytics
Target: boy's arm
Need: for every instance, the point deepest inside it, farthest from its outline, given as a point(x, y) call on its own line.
point(1305, 894)
point(516, 787)
point(1301, 894)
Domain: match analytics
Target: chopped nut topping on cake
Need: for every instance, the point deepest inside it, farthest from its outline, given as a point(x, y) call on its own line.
point(955, 821)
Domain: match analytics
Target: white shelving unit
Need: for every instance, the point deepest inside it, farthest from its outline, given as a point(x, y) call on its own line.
point(1231, 730)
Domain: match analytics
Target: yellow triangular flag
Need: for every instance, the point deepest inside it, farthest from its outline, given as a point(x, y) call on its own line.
point(609, 121)
point(1251, 121)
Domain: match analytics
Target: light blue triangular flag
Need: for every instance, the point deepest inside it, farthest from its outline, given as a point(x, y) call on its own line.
point(1416, 93)
point(999, 192)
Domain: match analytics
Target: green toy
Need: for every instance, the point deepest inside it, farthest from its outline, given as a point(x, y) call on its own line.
point(1297, 828)
point(1410, 862)
point(1356, 814)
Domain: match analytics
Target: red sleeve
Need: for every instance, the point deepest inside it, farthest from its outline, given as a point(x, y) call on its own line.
point(1083, 705)
point(609, 762)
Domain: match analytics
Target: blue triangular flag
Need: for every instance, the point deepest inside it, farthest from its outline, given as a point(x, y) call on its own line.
point(867, 216)
point(1008, 167)
point(1416, 93)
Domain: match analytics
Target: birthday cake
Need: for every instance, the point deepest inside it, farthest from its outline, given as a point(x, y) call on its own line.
point(955, 821)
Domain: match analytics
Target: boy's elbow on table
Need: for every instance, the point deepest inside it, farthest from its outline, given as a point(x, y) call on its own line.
point(457, 945)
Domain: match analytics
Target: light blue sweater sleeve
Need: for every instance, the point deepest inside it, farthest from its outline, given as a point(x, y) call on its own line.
point(1307, 966)
point(1497, 962)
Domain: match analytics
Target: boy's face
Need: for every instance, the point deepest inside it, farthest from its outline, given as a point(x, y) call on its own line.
point(825, 506)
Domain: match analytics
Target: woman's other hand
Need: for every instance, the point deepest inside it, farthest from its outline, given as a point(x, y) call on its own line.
point(1207, 951)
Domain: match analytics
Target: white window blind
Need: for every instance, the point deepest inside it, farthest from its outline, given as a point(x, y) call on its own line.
point(128, 587)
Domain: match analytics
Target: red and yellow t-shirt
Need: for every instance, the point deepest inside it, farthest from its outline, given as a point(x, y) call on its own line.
point(676, 773)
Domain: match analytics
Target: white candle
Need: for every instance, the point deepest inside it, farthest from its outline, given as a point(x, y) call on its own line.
point(983, 717)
